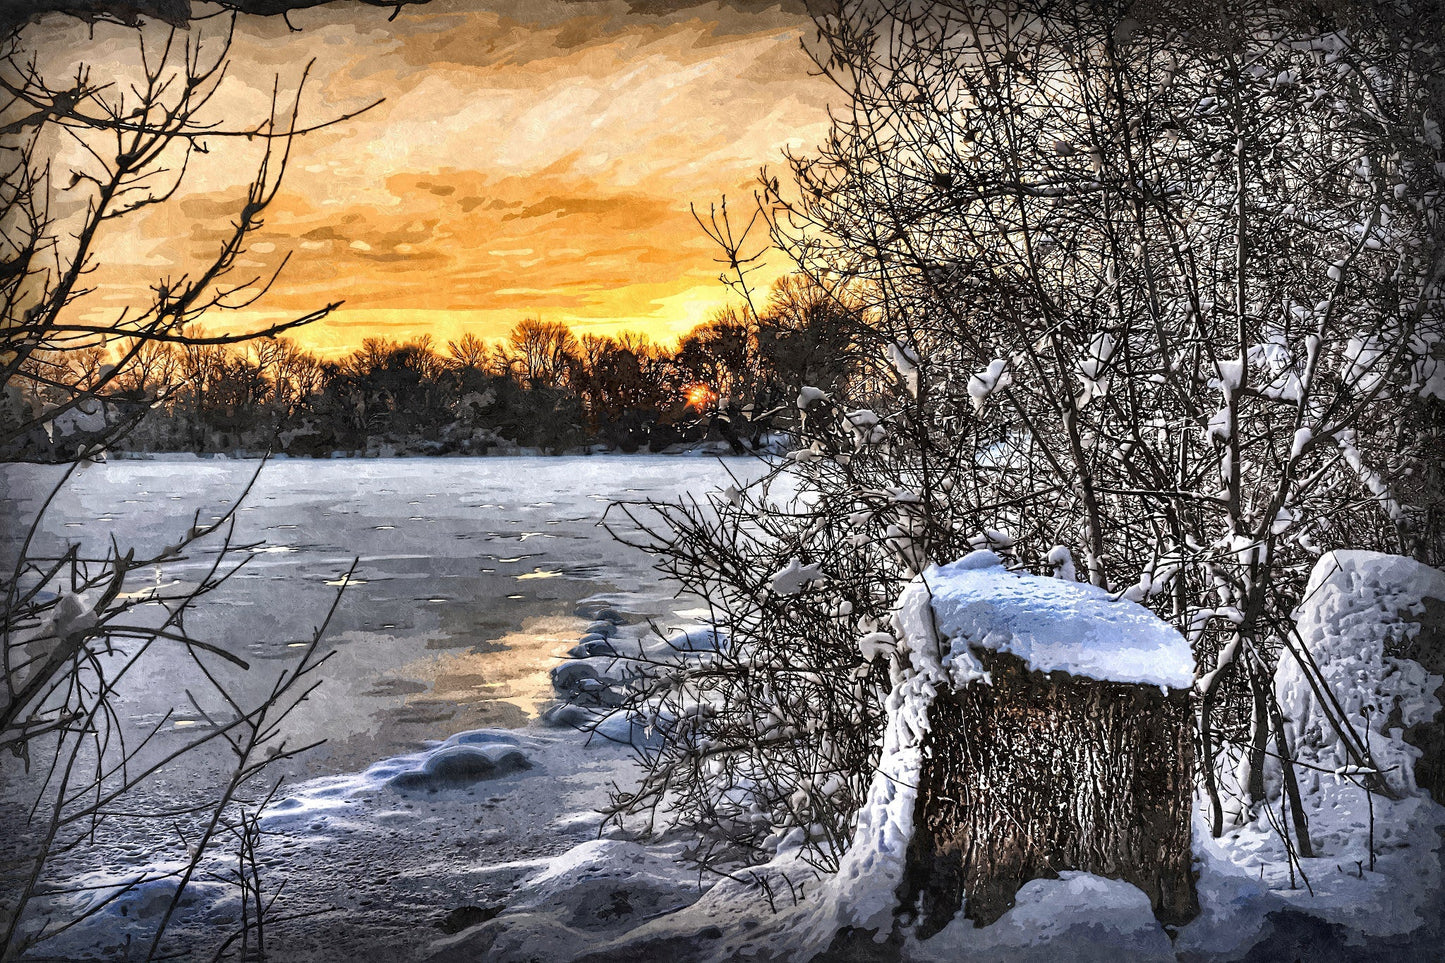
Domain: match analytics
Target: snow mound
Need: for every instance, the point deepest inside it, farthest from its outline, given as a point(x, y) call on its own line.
point(453, 767)
point(1079, 916)
point(1376, 873)
point(1051, 624)
point(456, 763)
point(116, 909)
point(608, 883)
point(1358, 608)
point(586, 895)
point(1248, 894)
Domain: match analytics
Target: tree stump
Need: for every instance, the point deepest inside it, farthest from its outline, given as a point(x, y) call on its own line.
point(1044, 771)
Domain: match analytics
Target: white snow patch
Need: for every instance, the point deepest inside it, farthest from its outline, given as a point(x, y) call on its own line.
point(809, 396)
point(794, 577)
point(1355, 603)
point(1079, 917)
point(905, 362)
point(1052, 624)
point(981, 384)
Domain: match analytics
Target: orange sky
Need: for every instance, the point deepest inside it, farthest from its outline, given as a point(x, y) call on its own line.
point(531, 158)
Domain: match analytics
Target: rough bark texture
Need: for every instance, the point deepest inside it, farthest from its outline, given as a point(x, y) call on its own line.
point(1039, 773)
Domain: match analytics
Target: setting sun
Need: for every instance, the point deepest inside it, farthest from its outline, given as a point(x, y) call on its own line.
point(700, 397)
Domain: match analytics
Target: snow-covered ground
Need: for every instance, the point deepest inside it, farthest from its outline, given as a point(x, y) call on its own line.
point(447, 821)
point(1373, 890)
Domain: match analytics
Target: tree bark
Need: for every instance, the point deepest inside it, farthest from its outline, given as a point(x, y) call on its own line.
point(1039, 773)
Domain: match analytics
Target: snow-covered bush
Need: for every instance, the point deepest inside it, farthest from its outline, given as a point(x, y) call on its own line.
point(1156, 291)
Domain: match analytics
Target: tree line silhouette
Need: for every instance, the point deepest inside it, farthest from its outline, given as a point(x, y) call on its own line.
point(733, 378)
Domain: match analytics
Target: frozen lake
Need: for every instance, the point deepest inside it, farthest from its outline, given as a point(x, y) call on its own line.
point(468, 581)
point(465, 593)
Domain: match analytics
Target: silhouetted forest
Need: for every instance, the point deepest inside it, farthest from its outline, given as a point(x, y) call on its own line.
point(734, 378)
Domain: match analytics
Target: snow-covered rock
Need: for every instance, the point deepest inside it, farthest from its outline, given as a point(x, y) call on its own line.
point(459, 766)
point(1360, 611)
point(599, 681)
point(584, 896)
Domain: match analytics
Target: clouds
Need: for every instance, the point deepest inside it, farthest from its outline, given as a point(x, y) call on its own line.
point(529, 158)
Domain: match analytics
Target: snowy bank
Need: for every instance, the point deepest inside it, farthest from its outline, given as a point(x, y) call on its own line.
point(1253, 902)
point(1354, 665)
point(1351, 698)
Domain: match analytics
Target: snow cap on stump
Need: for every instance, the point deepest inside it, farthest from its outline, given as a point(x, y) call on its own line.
point(1051, 624)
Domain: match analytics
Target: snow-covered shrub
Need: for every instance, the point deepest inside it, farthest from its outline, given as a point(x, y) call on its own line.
point(1149, 291)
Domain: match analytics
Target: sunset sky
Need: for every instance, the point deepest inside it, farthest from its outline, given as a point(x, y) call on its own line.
point(530, 159)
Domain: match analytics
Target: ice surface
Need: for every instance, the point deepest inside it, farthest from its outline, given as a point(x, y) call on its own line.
point(433, 636)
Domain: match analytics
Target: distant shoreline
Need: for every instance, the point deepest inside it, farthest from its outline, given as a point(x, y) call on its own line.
point(693, 450)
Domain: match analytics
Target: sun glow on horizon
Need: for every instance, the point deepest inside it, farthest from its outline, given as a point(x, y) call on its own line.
point(700, 397)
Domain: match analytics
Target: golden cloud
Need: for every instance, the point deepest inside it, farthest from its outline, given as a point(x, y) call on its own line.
point(527, 159)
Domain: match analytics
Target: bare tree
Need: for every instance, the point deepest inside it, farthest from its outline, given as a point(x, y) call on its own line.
point(539, 353)
point(84, 154)
point(177, 13)
point(470, 351)
point(127, 144)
